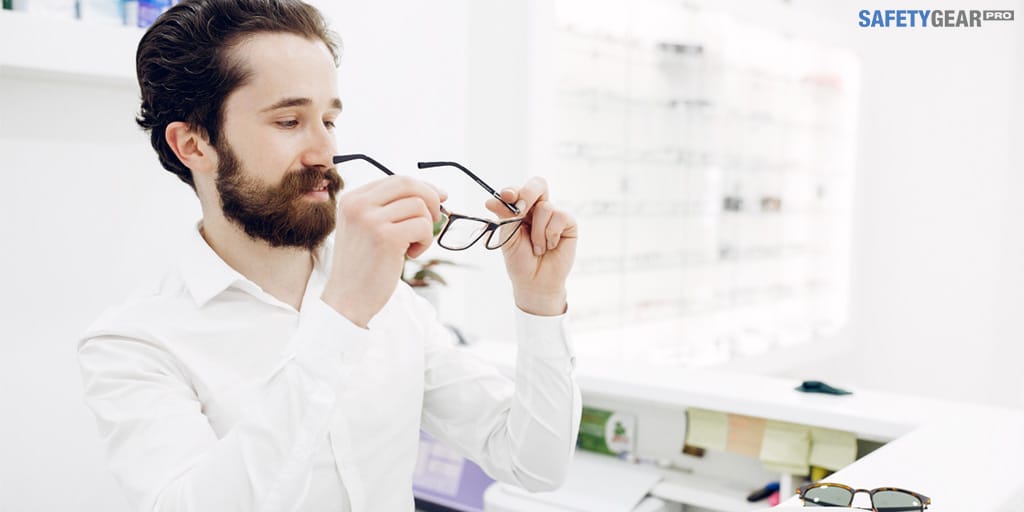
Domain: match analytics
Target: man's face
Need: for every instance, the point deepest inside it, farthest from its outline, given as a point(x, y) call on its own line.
point(275, 176)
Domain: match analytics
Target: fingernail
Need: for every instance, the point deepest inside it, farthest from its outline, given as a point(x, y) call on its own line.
point(521, 205)
point(537, 250)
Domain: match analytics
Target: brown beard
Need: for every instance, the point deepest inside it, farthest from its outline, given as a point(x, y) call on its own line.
point(278, 215)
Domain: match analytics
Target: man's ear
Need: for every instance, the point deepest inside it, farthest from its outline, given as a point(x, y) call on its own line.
point(191, 147)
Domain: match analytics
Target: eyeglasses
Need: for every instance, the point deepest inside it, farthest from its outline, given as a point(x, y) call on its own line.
point(883, 499)
point(460, 232)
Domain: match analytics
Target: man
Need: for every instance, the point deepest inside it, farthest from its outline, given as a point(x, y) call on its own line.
point(270, 370)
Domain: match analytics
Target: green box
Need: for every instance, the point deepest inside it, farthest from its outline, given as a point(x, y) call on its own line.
point(607, 432)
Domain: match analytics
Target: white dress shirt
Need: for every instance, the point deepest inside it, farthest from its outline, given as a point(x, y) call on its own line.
point(212, 395)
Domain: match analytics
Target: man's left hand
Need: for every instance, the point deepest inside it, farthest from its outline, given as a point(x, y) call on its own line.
point(540, 256)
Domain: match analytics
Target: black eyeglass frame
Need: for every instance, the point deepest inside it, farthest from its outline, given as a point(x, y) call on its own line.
point(427, 165)
point(490, 230)
point(925, 500)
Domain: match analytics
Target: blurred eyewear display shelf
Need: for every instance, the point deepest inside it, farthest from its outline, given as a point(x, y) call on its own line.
point(39, 46)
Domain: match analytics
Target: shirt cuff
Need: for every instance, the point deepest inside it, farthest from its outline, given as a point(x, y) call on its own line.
point(544, 336)
point(327, 343)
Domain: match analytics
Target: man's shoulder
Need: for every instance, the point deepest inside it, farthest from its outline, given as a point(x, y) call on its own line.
point(150, 304)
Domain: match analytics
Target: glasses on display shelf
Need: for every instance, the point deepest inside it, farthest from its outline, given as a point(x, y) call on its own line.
point(461, 232)
point(649, 208)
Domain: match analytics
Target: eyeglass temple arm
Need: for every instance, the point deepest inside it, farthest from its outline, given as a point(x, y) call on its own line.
point(358, 156)
point(488, 188)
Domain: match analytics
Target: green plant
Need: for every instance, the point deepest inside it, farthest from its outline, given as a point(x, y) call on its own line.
point(425, 274)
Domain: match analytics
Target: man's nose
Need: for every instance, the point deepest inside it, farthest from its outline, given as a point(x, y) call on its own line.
point(320, 148)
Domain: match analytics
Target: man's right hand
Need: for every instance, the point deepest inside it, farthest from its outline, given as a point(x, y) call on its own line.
point(378, 225)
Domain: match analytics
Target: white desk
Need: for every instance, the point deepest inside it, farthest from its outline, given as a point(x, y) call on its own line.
point(965, 457)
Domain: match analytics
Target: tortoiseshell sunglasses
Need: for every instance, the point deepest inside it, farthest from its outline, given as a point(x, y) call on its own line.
point(883, 499)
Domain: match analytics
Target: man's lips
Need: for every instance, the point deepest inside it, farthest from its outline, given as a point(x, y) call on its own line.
point(323, 186)
point(321, 191)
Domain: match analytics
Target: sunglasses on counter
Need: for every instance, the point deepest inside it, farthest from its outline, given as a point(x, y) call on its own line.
point(883, 499)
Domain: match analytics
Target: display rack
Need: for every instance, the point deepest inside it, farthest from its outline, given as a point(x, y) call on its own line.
point(85, 51)
point(710, 161)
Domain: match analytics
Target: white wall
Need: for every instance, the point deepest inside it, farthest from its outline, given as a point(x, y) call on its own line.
point(1010, 300)
point(938, 245)
point(84, 207)
point(932, 305)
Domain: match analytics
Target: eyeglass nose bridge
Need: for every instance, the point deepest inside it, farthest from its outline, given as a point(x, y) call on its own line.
point(491, 229)
point(488, 231)
point(855, 492)
point(870, 493)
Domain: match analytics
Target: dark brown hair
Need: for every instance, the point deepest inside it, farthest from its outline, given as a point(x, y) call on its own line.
point(184, 69)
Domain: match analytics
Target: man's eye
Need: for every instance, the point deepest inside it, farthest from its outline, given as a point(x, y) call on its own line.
point(291, 123)
point(329, 124)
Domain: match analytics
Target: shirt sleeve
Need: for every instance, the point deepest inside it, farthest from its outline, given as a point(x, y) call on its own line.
point(522, 432)
point(162, 449)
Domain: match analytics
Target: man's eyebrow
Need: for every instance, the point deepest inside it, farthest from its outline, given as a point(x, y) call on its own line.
point(299, 102)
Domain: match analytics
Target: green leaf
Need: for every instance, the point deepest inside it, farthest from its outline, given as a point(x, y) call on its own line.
point(426, 275)
point(439, 225)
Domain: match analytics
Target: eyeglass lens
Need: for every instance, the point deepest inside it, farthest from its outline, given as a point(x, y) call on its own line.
point(461, 233)
point(827, 496)
point(896, 501)
point(504, 233)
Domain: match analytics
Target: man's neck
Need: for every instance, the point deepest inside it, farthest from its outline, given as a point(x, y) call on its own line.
point(280, 271)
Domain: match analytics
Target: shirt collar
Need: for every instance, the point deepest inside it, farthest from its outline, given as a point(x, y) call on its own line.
point(206, 275)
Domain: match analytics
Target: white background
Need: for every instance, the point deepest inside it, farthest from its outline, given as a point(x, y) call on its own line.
point(938, 245)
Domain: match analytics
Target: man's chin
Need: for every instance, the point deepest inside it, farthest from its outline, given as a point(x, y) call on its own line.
point(309, 242)
point(307, 235)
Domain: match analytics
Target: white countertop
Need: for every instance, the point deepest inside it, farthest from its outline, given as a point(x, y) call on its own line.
point(963, 456)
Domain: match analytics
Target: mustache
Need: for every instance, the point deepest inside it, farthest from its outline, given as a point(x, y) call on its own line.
point(310, 178)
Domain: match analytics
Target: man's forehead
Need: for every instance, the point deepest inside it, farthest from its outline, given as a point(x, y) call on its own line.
point(286, 70)
point(280, 48)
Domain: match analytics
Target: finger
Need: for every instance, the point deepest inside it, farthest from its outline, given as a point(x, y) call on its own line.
point(417, 232)
point(416, 249)
point(498, 208)
point(559, 224)
point(542, 213)
point(509, 195)
point(442, 194)
point(396, 187)
point(535, 189)
point(404, 209)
